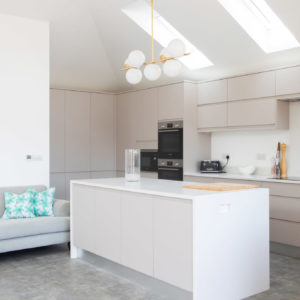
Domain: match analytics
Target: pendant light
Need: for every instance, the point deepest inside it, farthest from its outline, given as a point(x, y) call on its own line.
point(152, 70)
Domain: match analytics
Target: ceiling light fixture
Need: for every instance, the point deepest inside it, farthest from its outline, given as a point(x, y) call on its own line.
point(152, 71)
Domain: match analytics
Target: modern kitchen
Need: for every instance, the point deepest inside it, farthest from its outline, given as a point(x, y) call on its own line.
point(151, 150)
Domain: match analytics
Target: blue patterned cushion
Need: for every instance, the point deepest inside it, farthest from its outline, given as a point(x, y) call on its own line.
point(43, 202)
point(18, 206)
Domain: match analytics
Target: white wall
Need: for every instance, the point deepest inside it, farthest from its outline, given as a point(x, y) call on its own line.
point(24, 101)
point(244, 147)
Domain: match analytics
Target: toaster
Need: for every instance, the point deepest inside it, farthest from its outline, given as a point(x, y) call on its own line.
point(211, 166)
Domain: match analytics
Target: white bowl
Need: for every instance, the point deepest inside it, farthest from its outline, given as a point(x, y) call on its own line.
point(247, 170)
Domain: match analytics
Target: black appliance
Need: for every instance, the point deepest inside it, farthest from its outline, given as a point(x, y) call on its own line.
point(171, 169)
point(170, 140)
point(211, 166)
point(149, 160)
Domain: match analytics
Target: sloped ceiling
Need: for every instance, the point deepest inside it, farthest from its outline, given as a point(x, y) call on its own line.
point(90, 39)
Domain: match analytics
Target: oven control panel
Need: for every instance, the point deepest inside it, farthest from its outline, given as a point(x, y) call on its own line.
point(170, 163)
point(170, 125)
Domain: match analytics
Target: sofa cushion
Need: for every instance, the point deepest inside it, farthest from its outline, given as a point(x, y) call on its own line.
point(43, 202)
point(18, 206)
point(16, 190)
point(14, 228)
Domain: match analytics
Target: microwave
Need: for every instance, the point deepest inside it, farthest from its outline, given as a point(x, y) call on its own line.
point(149, 160)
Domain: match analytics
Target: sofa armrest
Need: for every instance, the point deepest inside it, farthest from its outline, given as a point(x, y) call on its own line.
point(61, 208)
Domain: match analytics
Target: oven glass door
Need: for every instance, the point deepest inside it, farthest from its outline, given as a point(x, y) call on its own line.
point(170, 143)
point(170, 173)
point(149, 161)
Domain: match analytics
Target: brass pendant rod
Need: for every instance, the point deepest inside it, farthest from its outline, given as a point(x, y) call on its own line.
point(152, 39)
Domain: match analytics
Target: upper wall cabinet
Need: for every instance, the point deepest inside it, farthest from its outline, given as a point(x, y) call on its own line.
point(57, 131)
point(170, 102)
point(258, 113)
point(212, 92)
point(251, 86)
point(288, 81)
point(77, 139)
point(103, 132)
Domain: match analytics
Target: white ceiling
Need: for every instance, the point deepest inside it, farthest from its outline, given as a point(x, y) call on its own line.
point(90, 39)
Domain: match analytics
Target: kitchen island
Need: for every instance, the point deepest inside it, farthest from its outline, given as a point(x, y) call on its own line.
point(212, 244)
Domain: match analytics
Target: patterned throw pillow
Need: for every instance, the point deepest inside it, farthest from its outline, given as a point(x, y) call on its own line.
point(18, 206)
point(43, 202)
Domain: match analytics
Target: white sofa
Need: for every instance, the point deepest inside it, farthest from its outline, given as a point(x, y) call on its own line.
point(17, 234)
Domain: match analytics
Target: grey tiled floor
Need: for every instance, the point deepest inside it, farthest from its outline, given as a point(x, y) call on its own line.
point(48, 273)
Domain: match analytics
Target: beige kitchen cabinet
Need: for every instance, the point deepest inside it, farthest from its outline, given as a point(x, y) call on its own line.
point(145, 116)
point(137, 232)
point(252, 86)
point(77, 131)
point(57, 131)
point(285, 232)
point(212, 116)
point(170, 102)
point(126, 130)
point(288, 81)
point(285, 208)
point(58, 180)
point(108, 224)
point(173, 254)
point(102, 132)
point(212, 92)
point(258, 113)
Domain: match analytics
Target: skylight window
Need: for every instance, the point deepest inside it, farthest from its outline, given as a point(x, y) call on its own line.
point(261, 23)
point(140, 12)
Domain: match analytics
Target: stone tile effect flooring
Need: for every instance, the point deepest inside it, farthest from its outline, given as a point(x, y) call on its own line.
point(49, 273)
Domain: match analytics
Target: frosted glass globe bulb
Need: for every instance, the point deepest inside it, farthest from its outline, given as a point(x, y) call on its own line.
point(136, 58)
point(152, 72)
point(134, 76)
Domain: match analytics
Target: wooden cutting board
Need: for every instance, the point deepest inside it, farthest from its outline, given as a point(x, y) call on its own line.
point(221, 187)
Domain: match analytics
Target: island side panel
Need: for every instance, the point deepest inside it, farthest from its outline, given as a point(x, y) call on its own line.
point(231, 245)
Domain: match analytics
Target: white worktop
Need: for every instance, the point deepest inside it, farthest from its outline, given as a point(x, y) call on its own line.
point(158, 187)
point(239, 177)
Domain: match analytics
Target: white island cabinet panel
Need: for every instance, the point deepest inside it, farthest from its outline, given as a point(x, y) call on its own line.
point(137, 232)
point(108, 224)
point(83, 238)
point(173, 254)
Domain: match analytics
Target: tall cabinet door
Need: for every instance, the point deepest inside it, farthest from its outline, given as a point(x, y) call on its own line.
point(146, 118)
point(57, 130)
point(170, 102)
point(103, 132)
point(77, 138)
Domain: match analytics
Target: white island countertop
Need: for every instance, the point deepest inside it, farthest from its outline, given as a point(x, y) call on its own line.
point(158, 187)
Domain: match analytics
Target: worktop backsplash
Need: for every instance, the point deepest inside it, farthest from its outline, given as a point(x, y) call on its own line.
point(257, 147)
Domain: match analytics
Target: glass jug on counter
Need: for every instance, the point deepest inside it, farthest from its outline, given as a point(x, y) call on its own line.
point(132, 164)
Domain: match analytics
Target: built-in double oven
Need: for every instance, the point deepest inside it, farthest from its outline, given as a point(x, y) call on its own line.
point(170, 150)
